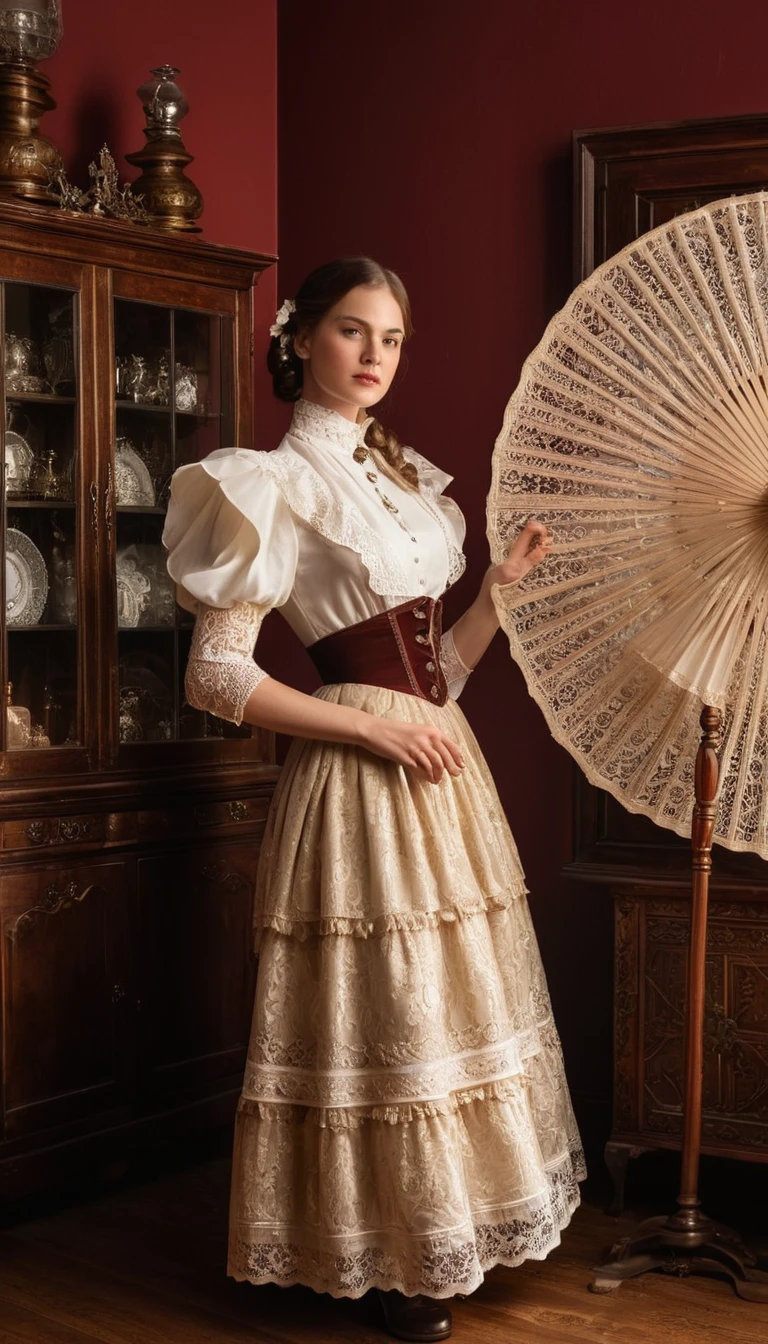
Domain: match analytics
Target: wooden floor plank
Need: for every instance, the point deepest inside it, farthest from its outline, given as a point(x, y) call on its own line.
point(147, 1266)
point(19, 1326)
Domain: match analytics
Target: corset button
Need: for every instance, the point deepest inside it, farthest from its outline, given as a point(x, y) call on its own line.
point(430, 667)
point(422, 639)
point(420, 615)
point(434, 692)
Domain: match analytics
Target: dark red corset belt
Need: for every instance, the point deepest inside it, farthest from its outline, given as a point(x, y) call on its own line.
point(399, 650)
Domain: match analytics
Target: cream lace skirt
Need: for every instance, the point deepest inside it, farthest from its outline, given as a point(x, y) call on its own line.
point(405, 1121)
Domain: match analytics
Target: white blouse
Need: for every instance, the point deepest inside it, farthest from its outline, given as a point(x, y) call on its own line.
point(305, 528)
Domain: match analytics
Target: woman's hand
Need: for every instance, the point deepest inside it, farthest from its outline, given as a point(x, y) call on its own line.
point(417, 745)
point(532, 545)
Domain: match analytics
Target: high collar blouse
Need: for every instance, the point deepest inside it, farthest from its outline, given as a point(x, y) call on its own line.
point(306, 528)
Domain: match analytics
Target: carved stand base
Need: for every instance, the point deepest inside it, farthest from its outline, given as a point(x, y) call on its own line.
point(684, 1243)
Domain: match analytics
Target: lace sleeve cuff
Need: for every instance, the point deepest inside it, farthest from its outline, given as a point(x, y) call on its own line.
point(455, 670)
point(221, 673)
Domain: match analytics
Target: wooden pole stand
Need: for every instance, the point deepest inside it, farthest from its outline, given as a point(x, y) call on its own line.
point(688, 1242)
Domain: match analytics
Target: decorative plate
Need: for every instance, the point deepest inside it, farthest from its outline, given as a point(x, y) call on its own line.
point(26, 580)
point(133, 483)
point(133, 589)
point(19, 460)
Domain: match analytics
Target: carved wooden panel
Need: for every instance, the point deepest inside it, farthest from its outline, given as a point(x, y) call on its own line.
point(66, 994)
point(651, 975)
point(197, 968)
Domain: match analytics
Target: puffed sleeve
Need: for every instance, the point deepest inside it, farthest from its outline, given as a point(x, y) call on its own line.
point(232, 552)
point(229, 534)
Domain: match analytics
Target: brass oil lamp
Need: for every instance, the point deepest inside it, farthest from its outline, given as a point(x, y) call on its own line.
point(30, 31)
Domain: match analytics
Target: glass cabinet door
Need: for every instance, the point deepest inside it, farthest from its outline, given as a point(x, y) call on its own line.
point(174, 404)
point(41, 522)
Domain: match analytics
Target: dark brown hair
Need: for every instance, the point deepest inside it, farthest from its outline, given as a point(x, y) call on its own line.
point(323, 288)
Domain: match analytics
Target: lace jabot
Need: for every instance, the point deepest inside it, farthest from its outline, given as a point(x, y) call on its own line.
point(311, 422)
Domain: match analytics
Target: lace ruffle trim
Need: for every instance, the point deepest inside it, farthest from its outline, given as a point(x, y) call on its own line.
point(396, 922)
point(439, 1264)
point(341, 1117)
point(311, 499)
point(454, 668)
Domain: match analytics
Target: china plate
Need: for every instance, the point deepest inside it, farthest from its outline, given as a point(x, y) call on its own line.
point(26, 580)
point(133, 483)
point(19, 460)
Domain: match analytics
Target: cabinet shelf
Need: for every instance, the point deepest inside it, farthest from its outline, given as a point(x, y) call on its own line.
point(152, 510)
point(13, 503)
point(146, 629)
point(152, 408)
point(40, 398)
point(39, 629)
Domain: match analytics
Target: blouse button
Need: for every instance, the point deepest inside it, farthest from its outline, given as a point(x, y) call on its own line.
point(415, 559)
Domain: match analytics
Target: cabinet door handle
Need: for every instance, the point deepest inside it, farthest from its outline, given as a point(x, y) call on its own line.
point(94, 493)
point(108, 502)
point(118, 994)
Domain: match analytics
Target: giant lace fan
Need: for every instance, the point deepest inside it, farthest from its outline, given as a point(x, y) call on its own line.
point(639, 434)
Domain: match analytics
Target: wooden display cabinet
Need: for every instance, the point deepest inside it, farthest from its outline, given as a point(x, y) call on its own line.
point(129, 822)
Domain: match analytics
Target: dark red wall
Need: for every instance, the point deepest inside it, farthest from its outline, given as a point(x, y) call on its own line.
point(229, 78)
point(436, 136)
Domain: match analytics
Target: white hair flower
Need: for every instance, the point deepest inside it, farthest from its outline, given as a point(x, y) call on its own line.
point(282, 317)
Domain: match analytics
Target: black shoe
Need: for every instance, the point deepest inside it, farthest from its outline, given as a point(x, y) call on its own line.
point(423, 1319)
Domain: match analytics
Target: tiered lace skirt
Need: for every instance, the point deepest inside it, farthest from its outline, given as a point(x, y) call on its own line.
point(405, 1121)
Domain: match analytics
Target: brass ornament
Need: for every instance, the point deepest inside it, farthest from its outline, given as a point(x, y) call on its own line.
point(105, 196)
point(171, 199)
point(27, 159)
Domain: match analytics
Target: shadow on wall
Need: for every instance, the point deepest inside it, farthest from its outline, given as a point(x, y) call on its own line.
point(558, 278)
point(97, 122)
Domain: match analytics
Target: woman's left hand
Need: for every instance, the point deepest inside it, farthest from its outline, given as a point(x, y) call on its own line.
point(532, 545)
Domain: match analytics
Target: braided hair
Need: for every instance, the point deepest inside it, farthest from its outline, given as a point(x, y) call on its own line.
point(323, 288)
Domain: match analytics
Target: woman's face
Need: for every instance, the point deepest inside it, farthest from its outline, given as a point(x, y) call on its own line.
point(351, 356)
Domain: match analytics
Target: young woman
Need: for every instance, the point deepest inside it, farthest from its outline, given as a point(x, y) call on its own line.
point(405, 1123)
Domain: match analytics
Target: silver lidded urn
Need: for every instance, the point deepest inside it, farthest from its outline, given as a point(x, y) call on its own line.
point(30, 30)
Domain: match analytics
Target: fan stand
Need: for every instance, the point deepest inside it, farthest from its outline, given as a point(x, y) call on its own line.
point(688, 1242)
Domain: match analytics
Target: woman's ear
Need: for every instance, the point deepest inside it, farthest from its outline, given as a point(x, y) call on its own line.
point(301, 343)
